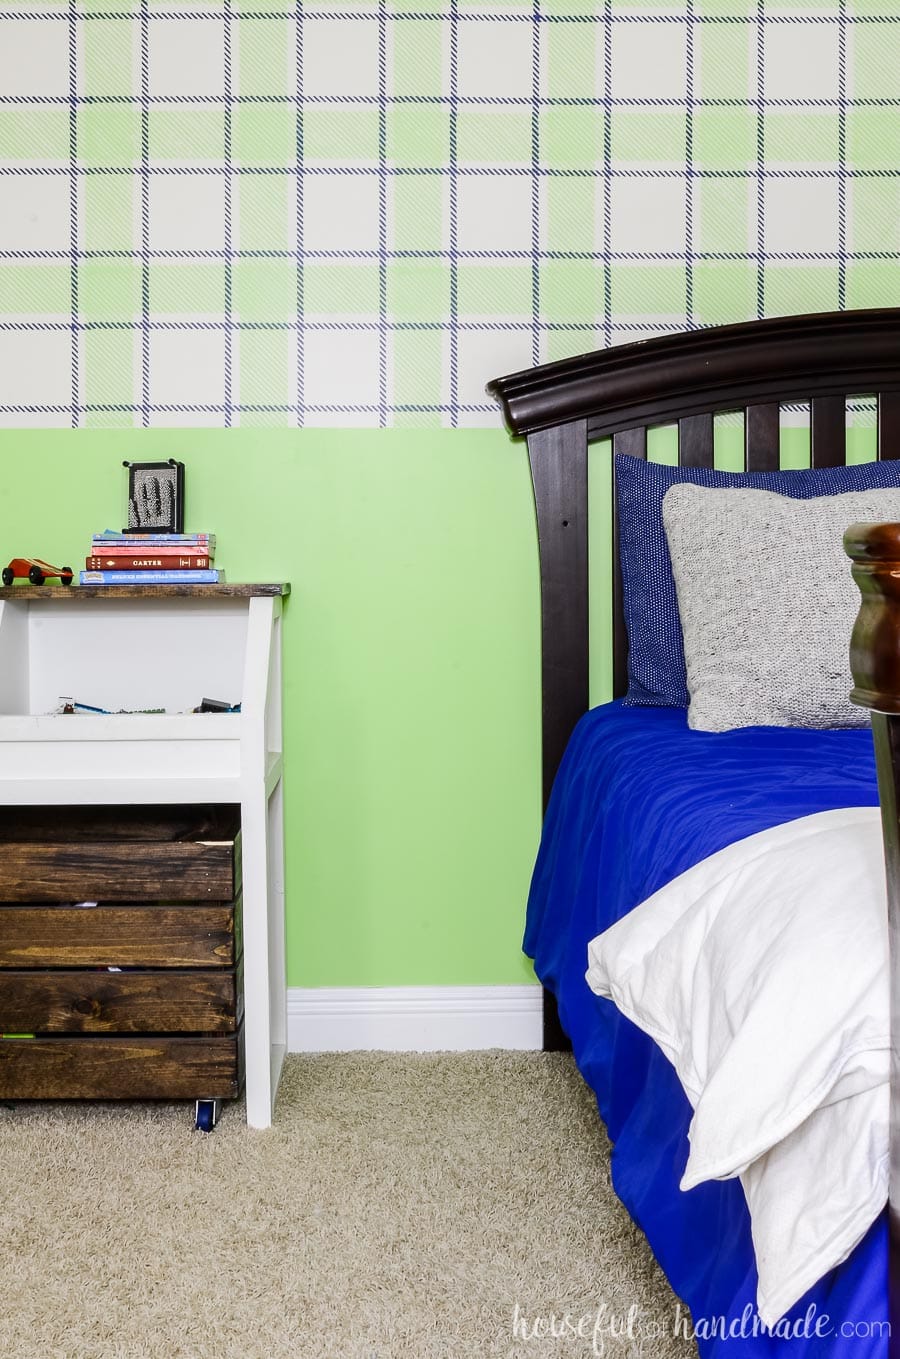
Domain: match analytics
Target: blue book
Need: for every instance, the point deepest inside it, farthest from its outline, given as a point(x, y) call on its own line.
point(151, 577)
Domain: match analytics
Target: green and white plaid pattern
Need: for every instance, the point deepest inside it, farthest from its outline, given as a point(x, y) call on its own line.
point(222, 212)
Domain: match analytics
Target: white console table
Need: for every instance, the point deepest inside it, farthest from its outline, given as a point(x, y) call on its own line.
point(128, 647)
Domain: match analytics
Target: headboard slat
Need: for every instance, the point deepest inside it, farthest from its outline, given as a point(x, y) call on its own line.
point(632, 442)
point(558, 460)
point(695, 441)
point(761, 437)
point(828, 431)
point(888, 425)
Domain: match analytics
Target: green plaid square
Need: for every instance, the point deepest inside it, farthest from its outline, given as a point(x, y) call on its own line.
point(725, 215)
point(266, 63)
point(267, 206)
point(108, 220)
point(340, 135)
point(36, 289)
point(34, 134)
point(810, 138)
point(572, 290)
point(341, 289)
point(177, 133)
point(107, 359)
point(264, 290)
point(420, 365)
point(873, 283)
point(418, 57)
point(642, 135)
point(109, 290)
point(268, 358)
point(723, 138)
point(188, 289)
point(486, 290)
point(416, 134)
point(569, 214)
point(493, 136)
point(723, 291)
point(873, 138)
point(418, 291)
point(876, 59)
point(723, 56)
point(264, 135)
point(570, 62)
point(109, 134)
point(108, 57)
point(876, 214)
point(416, 212)
point(572, 137)
point(648, 290)
point(796, 288)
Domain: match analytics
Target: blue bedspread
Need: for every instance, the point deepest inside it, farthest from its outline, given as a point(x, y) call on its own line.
point(638, 799)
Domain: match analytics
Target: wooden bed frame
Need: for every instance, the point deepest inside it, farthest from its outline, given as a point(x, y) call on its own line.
point(685, 379)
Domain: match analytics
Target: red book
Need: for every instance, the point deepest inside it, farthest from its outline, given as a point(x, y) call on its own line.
point(167, 561)
point(139, 549)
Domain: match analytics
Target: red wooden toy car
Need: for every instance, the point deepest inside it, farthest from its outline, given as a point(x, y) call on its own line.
point(35, 570)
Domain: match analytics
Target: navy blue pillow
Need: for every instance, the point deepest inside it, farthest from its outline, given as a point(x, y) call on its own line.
point(656, 670)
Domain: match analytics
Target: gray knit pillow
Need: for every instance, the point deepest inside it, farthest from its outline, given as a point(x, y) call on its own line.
point(767, 603)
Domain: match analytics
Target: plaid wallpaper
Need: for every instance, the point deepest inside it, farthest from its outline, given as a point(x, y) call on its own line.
point(221, 212)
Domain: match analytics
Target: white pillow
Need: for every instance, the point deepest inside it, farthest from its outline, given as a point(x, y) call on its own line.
point(762, 974)
point(767, 603)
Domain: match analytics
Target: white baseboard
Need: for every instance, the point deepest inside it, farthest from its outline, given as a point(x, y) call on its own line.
point(413, 1018)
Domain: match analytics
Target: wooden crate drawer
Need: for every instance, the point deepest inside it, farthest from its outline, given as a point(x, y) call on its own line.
point(119, 853)
point(120, 1068)
point(161, 935)
point(121, 1002)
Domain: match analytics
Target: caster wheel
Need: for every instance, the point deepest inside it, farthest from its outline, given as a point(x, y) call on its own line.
point(36, 576)
point(206, 1114)
point(66, 575)
point(8, 575)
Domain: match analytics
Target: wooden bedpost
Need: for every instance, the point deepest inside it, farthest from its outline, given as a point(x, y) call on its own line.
point(875, 663)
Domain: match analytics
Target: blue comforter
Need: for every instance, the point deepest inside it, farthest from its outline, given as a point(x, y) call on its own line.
point(638, 799)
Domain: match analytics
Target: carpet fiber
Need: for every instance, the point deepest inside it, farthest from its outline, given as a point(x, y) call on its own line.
point(441, 1206)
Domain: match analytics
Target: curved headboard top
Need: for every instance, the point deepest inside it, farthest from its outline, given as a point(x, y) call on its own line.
point(716, 368)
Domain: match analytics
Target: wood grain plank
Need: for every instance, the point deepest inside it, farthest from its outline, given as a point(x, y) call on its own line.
point(761, 437)
point(119, 1068)
point(36, 593)
point(117, 871)
point(695, 441)
point(39, 935)
point(88, 1001)
point(629, 443)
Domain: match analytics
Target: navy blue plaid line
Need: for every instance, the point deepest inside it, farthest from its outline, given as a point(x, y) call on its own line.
point(383, 331)
point(299, 208)
point(607, 164)
point(453, 213)
point(228, 226)
point(212, 408)
point(145, 212)
point(465, 256)
point(842, 157)
point(535, 183)
point(416, 16)
point(800, 103)
point(454, 172)
point(689, 159)
point(759, 172)
point(73, 209)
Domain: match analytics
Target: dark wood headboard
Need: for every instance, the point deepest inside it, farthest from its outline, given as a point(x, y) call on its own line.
point(683, 379)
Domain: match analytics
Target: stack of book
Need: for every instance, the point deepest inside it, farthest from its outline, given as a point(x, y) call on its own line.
point(151, 559)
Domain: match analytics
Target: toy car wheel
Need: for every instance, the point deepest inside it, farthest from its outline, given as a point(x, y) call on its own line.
point(66, 575)
point(36, 576)
point(9, 575)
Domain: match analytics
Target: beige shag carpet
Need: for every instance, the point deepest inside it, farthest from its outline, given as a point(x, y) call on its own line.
point(437, 1206)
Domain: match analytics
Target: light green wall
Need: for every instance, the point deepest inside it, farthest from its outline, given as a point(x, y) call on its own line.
point(411, 668)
